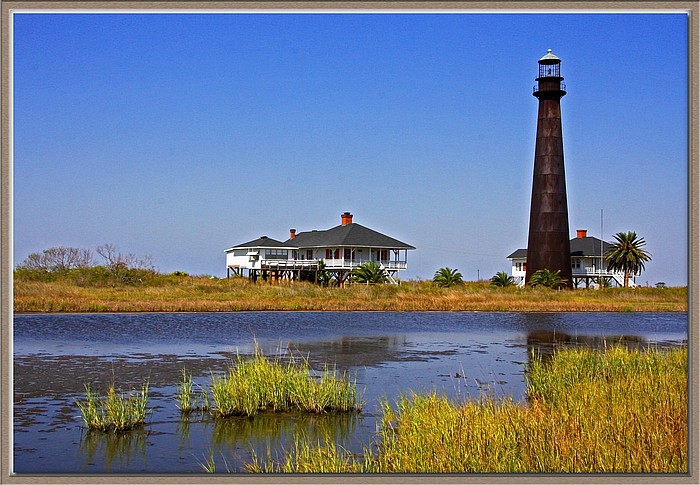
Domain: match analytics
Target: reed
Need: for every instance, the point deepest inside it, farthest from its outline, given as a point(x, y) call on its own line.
point(185, 394)
point(197, 294)
point(262, 385)
point(588, 411)
point(115, 412)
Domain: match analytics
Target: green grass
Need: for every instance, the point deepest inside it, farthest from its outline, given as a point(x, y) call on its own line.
point(185, 394)
point(588, 411)
point(116, 412)
point(263, 385)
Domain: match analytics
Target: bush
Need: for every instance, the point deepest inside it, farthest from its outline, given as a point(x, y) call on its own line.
point(447, 277)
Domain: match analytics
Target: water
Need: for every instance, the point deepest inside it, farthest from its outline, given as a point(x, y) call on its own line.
point(461, 355)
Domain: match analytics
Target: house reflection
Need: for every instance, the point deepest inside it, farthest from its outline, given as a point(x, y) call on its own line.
point(348, 352)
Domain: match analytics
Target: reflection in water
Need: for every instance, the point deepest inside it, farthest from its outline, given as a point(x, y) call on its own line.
point(348, 352)
point(545, 343)
point(234, 440)
point(275, 427)
point(116, 451)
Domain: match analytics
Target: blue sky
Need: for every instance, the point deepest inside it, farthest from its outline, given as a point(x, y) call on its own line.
point(178, 135)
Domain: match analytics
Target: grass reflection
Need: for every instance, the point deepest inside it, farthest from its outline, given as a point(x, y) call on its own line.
point(116, 450)
point(261, 434)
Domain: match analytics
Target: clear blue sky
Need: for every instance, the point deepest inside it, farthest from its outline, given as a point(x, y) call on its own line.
point(179, 135)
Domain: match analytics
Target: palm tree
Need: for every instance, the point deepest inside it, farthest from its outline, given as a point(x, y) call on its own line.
point(627, 254)
point(369, 273)
point(322, 275)
point(446, 277)
point(546, 278)
point(502, 279)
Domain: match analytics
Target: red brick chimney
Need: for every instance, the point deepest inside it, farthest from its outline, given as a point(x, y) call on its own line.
point(292, 233)
point(345, 218)
point(581, 233)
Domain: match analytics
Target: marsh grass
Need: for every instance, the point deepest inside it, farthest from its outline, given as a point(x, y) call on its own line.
point(271, 385)
point(185, 394)
point(588, 411)
point(194, 294)
point(116, 412)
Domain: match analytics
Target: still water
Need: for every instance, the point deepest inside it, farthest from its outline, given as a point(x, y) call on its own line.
point(461, 355)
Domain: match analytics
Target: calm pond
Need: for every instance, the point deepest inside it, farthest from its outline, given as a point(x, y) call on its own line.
point(462, 355)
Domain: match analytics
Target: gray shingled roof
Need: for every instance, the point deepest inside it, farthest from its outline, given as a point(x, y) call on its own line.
point(518, 254)
point(588, 246)
point(349, 235)
point(263, 242)
point(580, 246)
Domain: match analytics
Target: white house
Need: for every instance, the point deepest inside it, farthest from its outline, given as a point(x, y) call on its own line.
point(587, 262)
point(264, 254)
point(341, 249)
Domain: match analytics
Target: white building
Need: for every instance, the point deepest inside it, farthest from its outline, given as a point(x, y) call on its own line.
point(341, 249)
point(587, 263)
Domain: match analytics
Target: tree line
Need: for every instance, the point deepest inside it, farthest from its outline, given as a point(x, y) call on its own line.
point(106, 265)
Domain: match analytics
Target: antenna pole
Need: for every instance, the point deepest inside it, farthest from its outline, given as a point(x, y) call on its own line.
point(601, 248)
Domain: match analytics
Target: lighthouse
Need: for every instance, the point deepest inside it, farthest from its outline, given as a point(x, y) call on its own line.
point(548, 237)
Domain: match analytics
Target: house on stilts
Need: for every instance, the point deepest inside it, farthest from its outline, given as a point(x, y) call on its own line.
point(340, 249)
point(588, 264)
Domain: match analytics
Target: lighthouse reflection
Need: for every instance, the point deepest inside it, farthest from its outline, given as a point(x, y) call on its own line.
point(546, 343)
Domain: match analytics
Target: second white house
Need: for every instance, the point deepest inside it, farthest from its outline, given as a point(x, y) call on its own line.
point(587, 263)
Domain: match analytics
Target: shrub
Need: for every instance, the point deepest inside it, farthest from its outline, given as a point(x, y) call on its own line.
point(546, 279)
point(447, 277)
point(502, 280)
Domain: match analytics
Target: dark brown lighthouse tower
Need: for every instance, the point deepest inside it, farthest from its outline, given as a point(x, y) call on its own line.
point(548, 239)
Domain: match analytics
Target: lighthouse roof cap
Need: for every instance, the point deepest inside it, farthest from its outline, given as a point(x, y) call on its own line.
point(549, 58)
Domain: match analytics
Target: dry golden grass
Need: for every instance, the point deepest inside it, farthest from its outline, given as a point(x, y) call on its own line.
point(202, 294)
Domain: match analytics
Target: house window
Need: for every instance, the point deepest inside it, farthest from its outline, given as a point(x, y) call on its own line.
point(276, 254)
point(309, 254)
point(576, 264)
point(337, 253)
point(329, 253)
point(346, 253)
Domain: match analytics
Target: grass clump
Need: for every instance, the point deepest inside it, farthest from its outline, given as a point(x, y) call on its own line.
point(588, 411)
point(116, 412)
point(263, 385)
point(185, 394)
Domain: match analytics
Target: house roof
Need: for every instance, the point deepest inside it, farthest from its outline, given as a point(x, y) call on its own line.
point(588, 246)
point(580, 247)
point(348, 235)
point(262, 242)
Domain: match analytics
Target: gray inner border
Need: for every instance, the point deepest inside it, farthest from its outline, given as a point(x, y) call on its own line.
point(541, 6)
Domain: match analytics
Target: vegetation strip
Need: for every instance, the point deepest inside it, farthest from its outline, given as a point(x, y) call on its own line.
point(618, 411)
point(251, 386)
point(181, 293)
